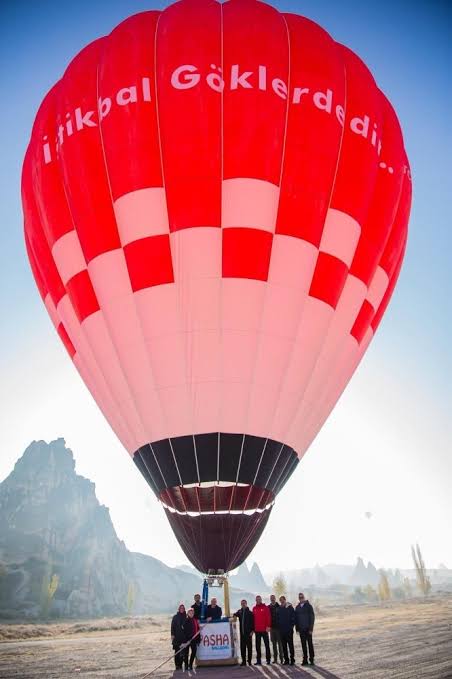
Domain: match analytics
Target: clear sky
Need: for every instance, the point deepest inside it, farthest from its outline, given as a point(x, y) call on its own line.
point(387, 448)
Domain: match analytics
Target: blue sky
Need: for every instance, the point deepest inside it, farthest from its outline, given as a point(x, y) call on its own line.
point(407, 46)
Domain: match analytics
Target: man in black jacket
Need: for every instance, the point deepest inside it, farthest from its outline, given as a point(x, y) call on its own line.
point(246, 622)
point(197, 605)
point(304, 622)
point(285, 618)
point(214, 611)
point(275, 635)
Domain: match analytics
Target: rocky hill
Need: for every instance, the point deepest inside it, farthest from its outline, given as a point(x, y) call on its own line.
point(251, 580)
point(59, 552)
point(364, 575)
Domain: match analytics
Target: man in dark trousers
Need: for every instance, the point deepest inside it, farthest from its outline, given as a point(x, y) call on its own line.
point(214, 611)
point(285, 618)
point(275, 636)
point(246, 622)
point(197, 606)
point(304, 623)
point(262, 626)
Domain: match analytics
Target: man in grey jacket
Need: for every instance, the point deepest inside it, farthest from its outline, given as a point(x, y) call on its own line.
point(304, 624)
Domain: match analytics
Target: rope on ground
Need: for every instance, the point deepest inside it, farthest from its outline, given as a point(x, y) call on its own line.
point(173, 655)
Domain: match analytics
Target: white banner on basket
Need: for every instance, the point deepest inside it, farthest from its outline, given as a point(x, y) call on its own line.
point(217, 642)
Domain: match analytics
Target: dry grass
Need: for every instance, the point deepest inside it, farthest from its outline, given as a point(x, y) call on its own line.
point(22, 632)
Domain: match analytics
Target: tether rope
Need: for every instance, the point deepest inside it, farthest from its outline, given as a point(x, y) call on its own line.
point(173, 655)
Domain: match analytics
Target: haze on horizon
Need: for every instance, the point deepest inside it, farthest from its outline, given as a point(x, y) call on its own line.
point(386, 447)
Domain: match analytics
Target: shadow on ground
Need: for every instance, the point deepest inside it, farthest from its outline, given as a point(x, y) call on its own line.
point(261, 672)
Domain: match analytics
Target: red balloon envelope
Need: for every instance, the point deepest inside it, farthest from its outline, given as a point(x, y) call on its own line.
point(216, 200)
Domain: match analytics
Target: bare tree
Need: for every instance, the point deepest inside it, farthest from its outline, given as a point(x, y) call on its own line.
point(384, 590)
point(371, 593)
point(279, 586)
point(407, 587)
point(130, 598)
point(422, 579)
point(49, 587)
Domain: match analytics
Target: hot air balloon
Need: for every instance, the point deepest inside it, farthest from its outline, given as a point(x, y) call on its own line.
point(216, 200)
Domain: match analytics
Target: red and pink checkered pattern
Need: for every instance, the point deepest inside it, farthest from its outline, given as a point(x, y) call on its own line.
point(216, 261)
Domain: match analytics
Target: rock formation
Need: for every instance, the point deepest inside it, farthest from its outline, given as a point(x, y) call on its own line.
point(364, 575)
point(59, 552)
point(251, 580)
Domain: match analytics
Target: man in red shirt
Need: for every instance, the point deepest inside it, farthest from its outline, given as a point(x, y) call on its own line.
point(262, 625)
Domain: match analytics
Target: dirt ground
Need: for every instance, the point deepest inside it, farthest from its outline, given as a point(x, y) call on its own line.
point(409, 640)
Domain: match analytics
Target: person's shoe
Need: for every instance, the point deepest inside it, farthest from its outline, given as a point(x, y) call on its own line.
point(269, 662)
point(258, 662)
point(243, 664)
point(305, 662)
point(292, 662)
point(286, 662)
point(312, 661)
point(250, 662)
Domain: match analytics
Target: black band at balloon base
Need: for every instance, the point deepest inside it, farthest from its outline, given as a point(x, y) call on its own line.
point(216, 457)
point(217, 490)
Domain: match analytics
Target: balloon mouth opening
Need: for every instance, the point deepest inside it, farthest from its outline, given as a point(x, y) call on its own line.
point(218, 540)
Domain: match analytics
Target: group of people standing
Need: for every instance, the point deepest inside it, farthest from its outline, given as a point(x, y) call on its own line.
point(185, 630)
point(275, 622)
